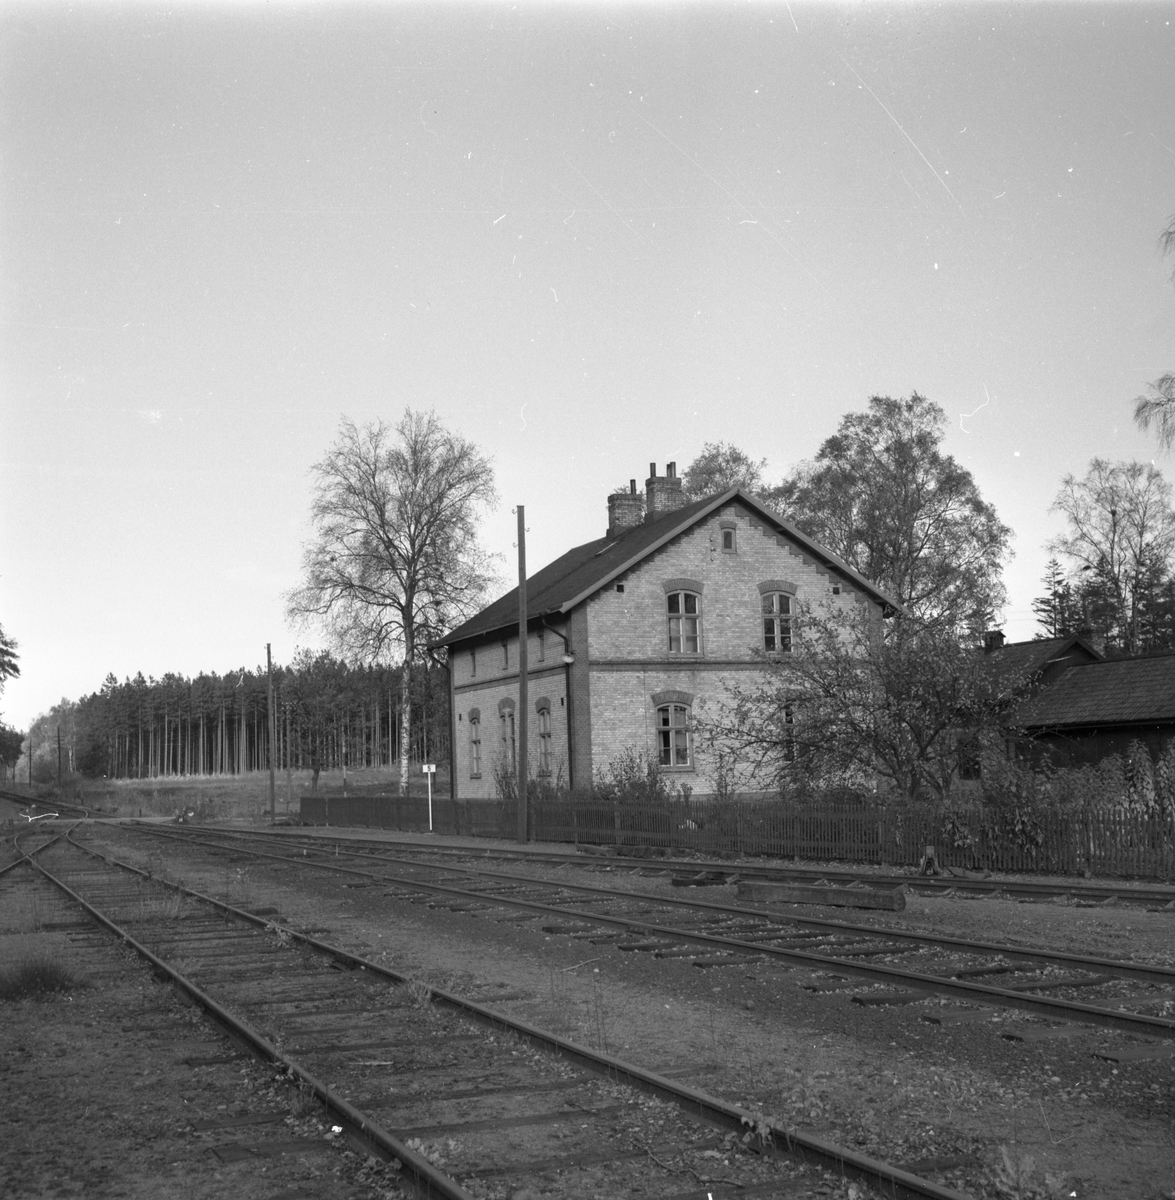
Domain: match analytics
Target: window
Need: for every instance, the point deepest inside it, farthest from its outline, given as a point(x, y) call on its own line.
point(673, 731)
point(472, 663)
point(776, 622)
point(729, 537)
point(505, 656)
point(544, 741)
point(475, 745)
point(509, 742)
point(685, 622)
point(542, 646)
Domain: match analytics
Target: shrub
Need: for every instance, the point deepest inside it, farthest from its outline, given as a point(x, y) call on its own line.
point(35, 977)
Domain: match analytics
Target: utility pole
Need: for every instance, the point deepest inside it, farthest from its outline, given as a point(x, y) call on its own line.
point(520, 769)
point(58, 755)
point(272, 728)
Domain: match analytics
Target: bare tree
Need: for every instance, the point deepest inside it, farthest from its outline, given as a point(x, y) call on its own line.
point(1121, 536)
point(1156, 409)
point(395, 560)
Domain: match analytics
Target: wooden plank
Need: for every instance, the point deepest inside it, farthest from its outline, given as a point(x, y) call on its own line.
point(1137, 1053)
point(762, 892)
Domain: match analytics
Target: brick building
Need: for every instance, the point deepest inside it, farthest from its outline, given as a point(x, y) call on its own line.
point(627, 634)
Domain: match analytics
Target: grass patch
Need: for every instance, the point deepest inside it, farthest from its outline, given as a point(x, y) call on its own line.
point(35, 977)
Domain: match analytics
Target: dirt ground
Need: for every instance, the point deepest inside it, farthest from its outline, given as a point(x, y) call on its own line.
point(962, 1104)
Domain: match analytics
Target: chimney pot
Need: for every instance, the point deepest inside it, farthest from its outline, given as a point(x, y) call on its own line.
point(662, 492)
point(626, 510)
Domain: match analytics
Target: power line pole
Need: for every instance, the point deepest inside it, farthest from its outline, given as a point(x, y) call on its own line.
point(272, 729)
point(520, 769)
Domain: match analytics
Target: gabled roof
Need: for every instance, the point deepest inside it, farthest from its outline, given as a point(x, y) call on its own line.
point(576, 575)
point(1124, 691)
point(1018, 663)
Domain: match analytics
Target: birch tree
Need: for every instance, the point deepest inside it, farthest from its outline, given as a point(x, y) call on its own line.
point(1156, 408)
point(1121, 544)
point(882, 494)
point(395, 559)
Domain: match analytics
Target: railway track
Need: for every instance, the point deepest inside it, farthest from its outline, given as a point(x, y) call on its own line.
point(875, 966)
point(481, 1105)
point(951, 882)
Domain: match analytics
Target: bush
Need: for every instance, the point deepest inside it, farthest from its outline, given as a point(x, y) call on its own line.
point(35, 977)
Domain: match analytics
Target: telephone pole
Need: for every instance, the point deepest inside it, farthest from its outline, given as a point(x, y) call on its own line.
point(272, 729)
point(520, 769)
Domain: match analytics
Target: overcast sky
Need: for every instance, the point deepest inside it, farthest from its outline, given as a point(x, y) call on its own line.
point(590, 237)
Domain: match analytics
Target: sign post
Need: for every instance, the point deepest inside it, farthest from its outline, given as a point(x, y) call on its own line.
point(429, 769)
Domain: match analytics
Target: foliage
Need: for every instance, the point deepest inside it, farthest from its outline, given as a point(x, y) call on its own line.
point(854, 701)
point(720, 466)
point(8, 659)
point(327, 715)
point(1156, 408)
point(635, 777)
point(11, 747)
point(395, 562)
point(1058, 610)
point(883, 496)
point(1121, 544)
point(36, 976)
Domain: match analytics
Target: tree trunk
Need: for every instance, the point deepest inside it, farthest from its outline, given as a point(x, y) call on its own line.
point(405, 719)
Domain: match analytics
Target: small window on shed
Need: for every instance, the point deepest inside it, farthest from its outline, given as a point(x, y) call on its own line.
point(728, 543)
point(836, 589)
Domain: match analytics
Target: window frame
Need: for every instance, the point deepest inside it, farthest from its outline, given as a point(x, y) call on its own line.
point(682, 598)
point(475, 745)
point(675, 737)
point(545, 755)
point(778, 621)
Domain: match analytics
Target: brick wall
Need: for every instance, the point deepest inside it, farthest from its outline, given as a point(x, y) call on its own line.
point(627, 631)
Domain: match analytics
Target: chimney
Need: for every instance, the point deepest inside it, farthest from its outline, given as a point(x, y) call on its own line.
point(993, 640)
point(626, 510)
point(662, 492)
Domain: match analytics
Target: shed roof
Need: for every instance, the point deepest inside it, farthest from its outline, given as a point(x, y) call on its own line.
point(1015, 663)
point(1124, 691)
point(574, 576)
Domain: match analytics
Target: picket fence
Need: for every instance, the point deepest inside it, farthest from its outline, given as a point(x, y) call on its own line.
point(1101, 841)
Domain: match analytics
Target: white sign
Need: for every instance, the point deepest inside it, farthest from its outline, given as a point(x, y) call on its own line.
point(429, 768)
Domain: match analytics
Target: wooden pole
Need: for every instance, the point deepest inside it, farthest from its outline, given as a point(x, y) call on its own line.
point(272, 729)
point(520, 769)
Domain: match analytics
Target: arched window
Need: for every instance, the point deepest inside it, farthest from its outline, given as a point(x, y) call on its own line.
point(475, 744)
point(674, 735)
point(777, 614)
point(684, 610)
point(544, 741)
point(509, 740)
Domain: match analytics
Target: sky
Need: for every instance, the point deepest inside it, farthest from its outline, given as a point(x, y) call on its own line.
point(590, 237)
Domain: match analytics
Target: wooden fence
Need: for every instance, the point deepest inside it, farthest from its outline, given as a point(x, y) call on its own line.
point(1101, 841)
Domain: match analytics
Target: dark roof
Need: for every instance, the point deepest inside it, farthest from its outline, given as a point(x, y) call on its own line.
point(574, 576)
point(1017, 662)
point(1124, 691)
